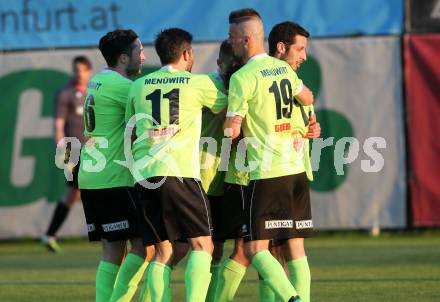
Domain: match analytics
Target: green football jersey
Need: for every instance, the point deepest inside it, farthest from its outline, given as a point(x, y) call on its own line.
point(104, 124)
point(168, 106)
point(212, 130)
point(263, 92)
point(237, 172)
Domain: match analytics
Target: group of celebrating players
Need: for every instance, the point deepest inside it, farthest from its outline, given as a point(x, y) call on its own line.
point(144, 179)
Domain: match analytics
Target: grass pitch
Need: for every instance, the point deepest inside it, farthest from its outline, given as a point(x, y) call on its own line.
point(348, 267)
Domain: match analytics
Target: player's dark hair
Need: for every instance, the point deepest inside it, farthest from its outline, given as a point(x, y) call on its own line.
point(226, 50)
point(285, 32)
point(242, 15)
point(171, 43)
point(227, 55)
point(116, 43)
point(82, 60)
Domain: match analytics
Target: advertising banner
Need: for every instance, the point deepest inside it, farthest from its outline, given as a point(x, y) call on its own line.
point(361, 178)
point(26, 24)
point(359, 160)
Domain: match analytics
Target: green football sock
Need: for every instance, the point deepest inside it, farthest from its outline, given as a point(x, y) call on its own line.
point(141, 273)
point(144, 294)
point(197, 276)
point(230, 278)
point(215, 270)
point(266, 293)
point(105, 280)
point(273, 274)
point(130, 273)
point(300, 276)
point(158, 279)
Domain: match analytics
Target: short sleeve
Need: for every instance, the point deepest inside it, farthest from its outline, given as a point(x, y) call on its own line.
point(121, 93)
point(239, 95)
point(129, 109)
point(297, 84)
point(212, 97)
point(62, 104)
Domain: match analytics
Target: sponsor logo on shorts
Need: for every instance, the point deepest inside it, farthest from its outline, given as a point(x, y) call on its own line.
point(244, 230)
point(278, 224)
point(304, 224)
point(115, 226)
point(91, 227)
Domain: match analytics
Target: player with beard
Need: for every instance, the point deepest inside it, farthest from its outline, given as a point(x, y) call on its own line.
point(106, 186)
point(288, 42)
point(167, 105)
point(262, 95)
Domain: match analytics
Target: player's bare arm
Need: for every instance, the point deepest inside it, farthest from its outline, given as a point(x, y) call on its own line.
point(59, 128)
point(232, 126)
point(314, 129)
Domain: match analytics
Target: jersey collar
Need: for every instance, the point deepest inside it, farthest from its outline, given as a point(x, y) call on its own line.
point(258, 56)
point(108, 70)
point(217, 74)
point(169, 67)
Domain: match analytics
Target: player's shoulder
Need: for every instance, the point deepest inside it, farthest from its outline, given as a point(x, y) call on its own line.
point(275, 67)
point(201, 80)
point(66, 90)
point(201, 77)
point(112, 79)
point(68, 87)
point(246, 75)
point(121, 85)
point(256, 65)
point(139, 82)
point(243, 72)
point(150, 75)
point(270, 62)
point(215, 77)
point(246, 68)
point(63, 95)
point(286, 65)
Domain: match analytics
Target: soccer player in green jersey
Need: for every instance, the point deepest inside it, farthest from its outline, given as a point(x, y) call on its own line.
point(232, 225)
point(167, 107)
point(288, 42)
point(106, 186)
point(262, 95)
point(233, 269)
point(212, 174)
